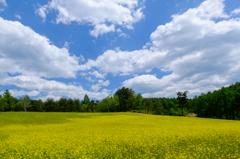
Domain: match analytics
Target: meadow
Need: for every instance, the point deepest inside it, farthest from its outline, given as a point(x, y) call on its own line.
point(116, 135)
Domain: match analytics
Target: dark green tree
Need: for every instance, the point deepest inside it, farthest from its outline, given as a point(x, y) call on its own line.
point(72, 106)
point(10, 102)
point(63, 104)
point(3, 103)
point(139, 102)
point(78, 105)
point(125, 96)
point(182, 100)
point(92, 105)
point(86, 99)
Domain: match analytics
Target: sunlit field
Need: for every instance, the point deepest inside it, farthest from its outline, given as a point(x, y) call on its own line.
point(116, 135)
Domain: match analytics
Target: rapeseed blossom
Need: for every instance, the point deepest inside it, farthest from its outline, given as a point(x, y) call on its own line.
point(116, 135)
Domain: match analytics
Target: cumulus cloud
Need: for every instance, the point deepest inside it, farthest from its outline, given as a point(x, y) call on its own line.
point(51, 88)
point(236, 11)
point(16, 93)
point(200, 49)
point(26, 52)
point(95, 12)
point(28, 60)
point(125, 62)
point(97, 74)
point(96, 87)
point(90, 79)
point(101, 29)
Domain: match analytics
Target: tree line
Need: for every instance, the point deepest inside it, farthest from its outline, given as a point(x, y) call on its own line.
point(221, 104)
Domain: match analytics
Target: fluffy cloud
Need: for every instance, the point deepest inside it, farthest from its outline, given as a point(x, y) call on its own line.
point(236, 11)
point(200, 51)
point(97, 13)
point(26, 52)
point(101, 29)
point(97, 74)
point(27, 58)
point(50, 88)
point(16, 93)
point(96, 87)
point(125, 62)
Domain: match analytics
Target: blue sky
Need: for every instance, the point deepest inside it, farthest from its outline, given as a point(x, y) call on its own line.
point(69, 48)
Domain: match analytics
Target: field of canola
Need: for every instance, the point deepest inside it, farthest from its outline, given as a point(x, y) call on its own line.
point(116, 135)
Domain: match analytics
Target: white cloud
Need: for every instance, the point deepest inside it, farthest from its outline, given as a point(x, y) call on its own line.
point(29, 57)
point(125, 62)
point(15, 93)
point(82, 59)
point(97, 74)
point(96, 87)
point(236, 11)
point(66, 45)
point(101, 29)
point(169, 85)
point(24, 51)
point(50, 87)
point(95, 12)
point(3, 2)
point(83, 74)
point(119, 30)
point(90, 79)
point(199, 53)
point(124, 35)
point(18, 16)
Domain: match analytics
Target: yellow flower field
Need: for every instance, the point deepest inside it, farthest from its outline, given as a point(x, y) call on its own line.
point(116, 135)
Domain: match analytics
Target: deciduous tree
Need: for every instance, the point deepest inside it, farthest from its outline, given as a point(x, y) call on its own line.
point(182, 100)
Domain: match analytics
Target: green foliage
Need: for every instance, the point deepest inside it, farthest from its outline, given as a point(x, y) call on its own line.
point(86, 99)
point(182, 100)
point(26, 102)
point(221, 104)
point(126, 98)
point(3, 103)
point(9, 102)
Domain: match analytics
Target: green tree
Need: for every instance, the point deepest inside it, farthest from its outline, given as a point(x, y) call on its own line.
point(78, 105)
point(86, 99)
point(158, 107)
point(72, 105)
point(182, 100)
point(40, 106)
point(125, 96)
point(3, 103)
point(139, 102)
point(92, 105)
point(63, 104)
point(26, 102)
point(10, 102)
point(20, 105)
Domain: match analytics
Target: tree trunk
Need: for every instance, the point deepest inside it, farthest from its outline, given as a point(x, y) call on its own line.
point(182, 111)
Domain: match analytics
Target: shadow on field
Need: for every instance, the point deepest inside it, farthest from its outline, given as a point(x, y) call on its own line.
point(42, 118)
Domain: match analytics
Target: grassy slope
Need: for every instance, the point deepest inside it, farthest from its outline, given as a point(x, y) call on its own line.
point(120, 135)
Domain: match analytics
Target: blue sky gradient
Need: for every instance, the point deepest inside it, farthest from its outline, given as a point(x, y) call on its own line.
point(154, 47)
